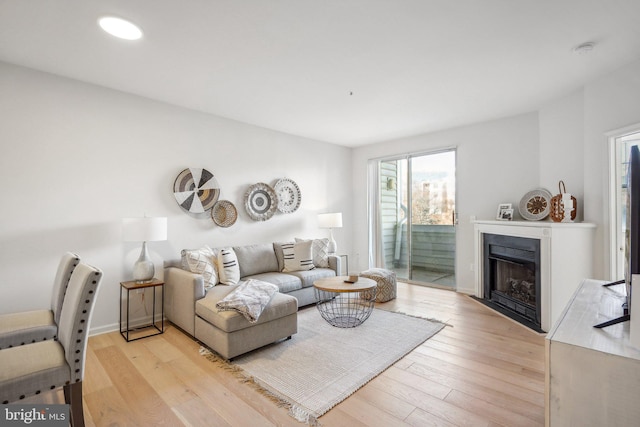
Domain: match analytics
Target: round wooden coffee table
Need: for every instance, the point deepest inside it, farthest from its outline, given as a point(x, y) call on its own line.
point(345, 305)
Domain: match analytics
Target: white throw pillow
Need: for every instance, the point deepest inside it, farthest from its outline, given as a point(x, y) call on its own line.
point(298, 256)
point(228, 268)
point(201, 261)
point(320, 251)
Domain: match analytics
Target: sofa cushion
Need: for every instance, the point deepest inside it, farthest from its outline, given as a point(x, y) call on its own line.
point(281, 305)
point(255, 259)
point(284, 281)
point(298, 256)
point(228, 268)
point(308, 277)
point(201, 261)
point(319, 250)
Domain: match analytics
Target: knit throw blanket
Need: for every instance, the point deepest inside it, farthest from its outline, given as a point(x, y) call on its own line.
point(249, 299)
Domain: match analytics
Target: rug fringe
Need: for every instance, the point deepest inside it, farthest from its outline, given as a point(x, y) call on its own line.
point(303, 416)
point(297, 412)
point(431, 319)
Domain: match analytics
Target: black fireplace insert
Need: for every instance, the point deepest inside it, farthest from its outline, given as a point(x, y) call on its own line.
point(511, 276)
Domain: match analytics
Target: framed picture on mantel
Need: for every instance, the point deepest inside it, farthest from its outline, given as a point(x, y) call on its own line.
point(505, 212)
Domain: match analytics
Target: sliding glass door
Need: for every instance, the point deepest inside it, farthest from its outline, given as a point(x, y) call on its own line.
point(413, 232)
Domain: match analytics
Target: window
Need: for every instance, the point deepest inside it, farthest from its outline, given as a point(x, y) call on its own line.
point(620, 143)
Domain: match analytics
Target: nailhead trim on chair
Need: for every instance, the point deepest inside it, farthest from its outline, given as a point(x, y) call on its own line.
point(76, 363)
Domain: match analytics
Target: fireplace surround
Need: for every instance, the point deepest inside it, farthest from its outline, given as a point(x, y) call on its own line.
point(566, 257)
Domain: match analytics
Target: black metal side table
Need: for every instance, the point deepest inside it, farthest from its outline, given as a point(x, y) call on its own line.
point(345, 304)
point(138, 330)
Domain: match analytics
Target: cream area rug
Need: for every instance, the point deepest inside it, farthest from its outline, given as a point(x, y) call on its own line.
point(322, 365)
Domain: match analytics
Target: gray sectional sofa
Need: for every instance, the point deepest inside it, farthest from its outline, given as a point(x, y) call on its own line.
point(191, 307)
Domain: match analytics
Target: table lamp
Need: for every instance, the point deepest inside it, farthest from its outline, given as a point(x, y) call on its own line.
point(331, 221)
point(144, 230)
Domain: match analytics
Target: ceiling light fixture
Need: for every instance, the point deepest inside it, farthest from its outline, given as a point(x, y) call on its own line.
point(584, 48)
point(120, 28)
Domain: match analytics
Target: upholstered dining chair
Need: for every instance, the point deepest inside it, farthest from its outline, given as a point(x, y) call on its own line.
point(30, 369)
point(38, 325)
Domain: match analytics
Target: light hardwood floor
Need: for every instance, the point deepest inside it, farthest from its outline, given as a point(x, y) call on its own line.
point(482, 370)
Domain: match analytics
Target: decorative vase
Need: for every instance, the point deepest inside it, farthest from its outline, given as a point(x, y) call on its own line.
point(143, 269)
point(564, 206)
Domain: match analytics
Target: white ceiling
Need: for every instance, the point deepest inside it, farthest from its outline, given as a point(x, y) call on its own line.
point(350, 72)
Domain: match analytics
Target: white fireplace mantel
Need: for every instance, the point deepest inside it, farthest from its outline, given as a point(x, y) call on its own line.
point(566, 258)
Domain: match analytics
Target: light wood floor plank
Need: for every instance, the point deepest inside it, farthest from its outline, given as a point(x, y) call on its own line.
point(392, 405)
point(499, 394)
point(439, 408)
point(504, 374)
point(368, 413)
point(489, 410)
point(148, 406)
point(489, 358)
point(107, 407)
point(423, 362)
point(99, 378)
point(420, 418)
point(395, 376)
point(339, 418)
point(200, 412)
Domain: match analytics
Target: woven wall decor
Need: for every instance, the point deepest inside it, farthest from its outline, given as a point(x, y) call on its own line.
point(224, 213)
point(196, 190)
point(260, 201)
point(289, 196)
point(534, 205)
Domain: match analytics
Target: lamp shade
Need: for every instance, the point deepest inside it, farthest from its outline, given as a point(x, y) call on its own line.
point(144, 229)
point(330, 220)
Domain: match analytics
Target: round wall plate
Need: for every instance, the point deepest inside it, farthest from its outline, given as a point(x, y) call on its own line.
point(535, 205)
point(260, 201)
point(196, 190)
point(224, 213)
point(289, 196)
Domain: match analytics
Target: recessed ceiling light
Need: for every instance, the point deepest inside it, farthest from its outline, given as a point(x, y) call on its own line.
point(584, 48)
point(120, 28)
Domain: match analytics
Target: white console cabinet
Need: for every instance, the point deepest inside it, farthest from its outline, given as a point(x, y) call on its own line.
point(566, 257)
point(592, 375)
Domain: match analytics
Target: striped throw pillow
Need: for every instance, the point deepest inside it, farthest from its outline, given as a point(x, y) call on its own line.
point(298, 256)
point(228, 267)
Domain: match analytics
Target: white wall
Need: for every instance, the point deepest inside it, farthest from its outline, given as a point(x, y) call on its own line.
point(497, 162)
point(562, 147)
point(576, 127)
point(76, 158)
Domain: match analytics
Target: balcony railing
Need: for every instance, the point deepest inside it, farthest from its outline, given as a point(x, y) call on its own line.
point(432, 255)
